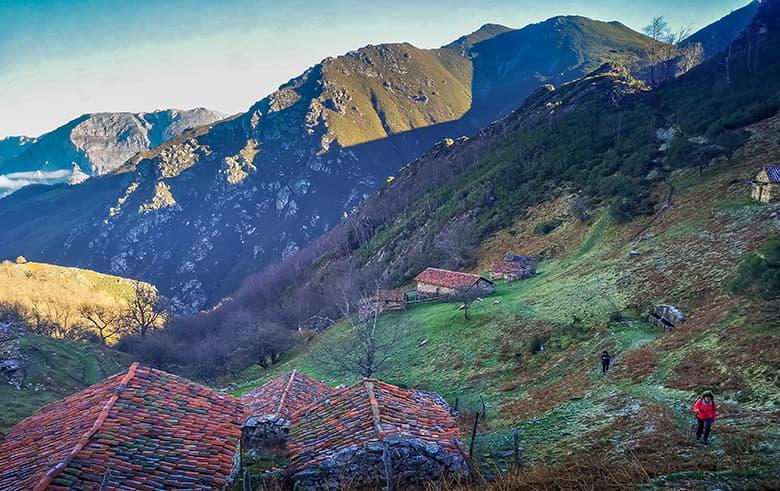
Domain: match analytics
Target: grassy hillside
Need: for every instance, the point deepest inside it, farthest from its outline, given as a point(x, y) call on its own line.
point(55, 293)
point(370, 94)
point(54, 369)
point(588, 298)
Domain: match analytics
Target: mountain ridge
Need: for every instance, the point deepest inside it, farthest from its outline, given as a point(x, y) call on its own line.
point(97, 143)
point(257, 187)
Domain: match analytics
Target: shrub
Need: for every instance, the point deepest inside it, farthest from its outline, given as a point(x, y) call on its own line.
point(547, 227)
point(759, 274)
point(536, 345)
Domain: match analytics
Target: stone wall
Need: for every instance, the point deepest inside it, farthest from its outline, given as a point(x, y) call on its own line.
point(262, 434)
point(428, 290)
point(394, 463)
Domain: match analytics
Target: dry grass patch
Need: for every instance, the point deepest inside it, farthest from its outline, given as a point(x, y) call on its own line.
point(539, 401)
point(699, 370)
point(637, 364)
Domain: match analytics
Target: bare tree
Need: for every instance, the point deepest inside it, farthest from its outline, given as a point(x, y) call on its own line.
point(366, 350)
point(367, 347)
point(657, 30)
point(457, 243)
point(468, 295)
point(689, 56)
point(147, 310)
point(107, 322)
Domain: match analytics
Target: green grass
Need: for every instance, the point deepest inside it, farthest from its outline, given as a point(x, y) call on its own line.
point(54, 369)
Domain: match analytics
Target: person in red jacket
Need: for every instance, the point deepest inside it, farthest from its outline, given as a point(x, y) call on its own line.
point(705, 415)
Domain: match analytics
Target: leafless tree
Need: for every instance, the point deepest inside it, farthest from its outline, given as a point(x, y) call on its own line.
point(146, 311)
point(367, 348)
point(457, 243)
point(657, 30)
point(468, 295)
point(689, 56)
point(108, 323)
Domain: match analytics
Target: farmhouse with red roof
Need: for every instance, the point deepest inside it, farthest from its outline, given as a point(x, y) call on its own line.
point(271, 405)
point(434, 282)
point(142, 429)
point(374, 434)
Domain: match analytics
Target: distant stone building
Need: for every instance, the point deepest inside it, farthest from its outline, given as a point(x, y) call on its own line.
point(270, 407)
point(514, 267)
point(140, 429)
point(766, 185)
point(374, 434)
point(435, 282)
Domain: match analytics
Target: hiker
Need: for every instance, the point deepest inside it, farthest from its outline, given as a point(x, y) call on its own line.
point(605, 359)
point(705, 415)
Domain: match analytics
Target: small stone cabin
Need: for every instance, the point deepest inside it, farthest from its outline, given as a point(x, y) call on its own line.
point(666, 316)
point(511, 271)
point(435, 282)
point(374, 434)
point(766, 185)
point(270, 407)
point(139, 429)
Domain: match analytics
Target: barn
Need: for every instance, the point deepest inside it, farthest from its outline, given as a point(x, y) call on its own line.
point(435, 282)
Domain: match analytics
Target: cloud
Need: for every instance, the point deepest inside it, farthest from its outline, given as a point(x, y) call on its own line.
point(16, 180)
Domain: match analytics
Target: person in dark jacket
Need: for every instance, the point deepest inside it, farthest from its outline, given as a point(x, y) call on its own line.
point(705, 416)
point(605, 359)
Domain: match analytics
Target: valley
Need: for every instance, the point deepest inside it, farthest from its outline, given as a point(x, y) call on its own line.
point(516, 261)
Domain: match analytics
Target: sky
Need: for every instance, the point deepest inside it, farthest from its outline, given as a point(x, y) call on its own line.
point(63, 58)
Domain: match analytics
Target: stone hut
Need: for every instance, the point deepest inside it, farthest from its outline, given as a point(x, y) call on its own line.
point(374, 434)
point(139, 429)
point(270, 407)
point(435, 282)
point(666, 316)
point(766, 185)
point(511, 270)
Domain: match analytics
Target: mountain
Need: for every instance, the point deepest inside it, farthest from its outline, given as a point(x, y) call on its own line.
point(633, 198)
point(97, 143)
point(12, 146)
point(196, 214)
point(718, 36)
point(604, 153)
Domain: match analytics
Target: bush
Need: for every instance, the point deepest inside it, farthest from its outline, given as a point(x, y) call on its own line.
point(759, 274)
point(547, 227)
point(536, 345)
point(623, 210)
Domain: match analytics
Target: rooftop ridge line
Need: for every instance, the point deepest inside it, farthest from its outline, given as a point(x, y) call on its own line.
point(369, 386)
point(286, 390)
point(56, 469)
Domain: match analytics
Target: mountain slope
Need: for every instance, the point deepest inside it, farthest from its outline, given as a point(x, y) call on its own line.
point(54, 368)
point(717, 36)
point(12, 146)
point(196, 215)
point(576, 427)
point(97, 143)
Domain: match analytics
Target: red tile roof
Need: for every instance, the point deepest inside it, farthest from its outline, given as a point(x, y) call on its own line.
point(369, 411)
point(143, 429)
point(285, 394)
point(448, 279)
point(507, 267)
